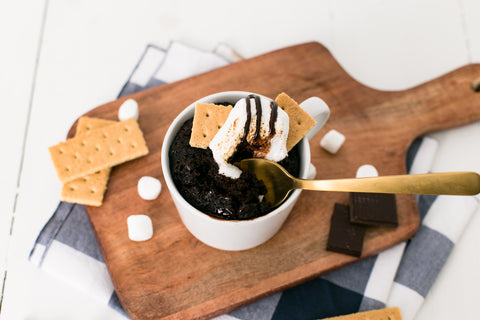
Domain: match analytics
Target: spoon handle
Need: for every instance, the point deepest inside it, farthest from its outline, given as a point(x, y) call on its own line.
point(449, 183)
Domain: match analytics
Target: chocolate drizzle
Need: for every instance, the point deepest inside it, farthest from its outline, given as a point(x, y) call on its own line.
point(258, 105)
point(273, 117)
point(257, 147)
point(248, 121)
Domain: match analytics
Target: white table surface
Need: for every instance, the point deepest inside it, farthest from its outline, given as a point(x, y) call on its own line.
point(61, 58)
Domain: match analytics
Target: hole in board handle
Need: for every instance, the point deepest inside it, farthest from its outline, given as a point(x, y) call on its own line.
point(475, 85)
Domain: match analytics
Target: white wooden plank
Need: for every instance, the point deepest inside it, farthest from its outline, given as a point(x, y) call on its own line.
point(471, 13)
point(19, 33)
point(394, 45)
point(88, 51)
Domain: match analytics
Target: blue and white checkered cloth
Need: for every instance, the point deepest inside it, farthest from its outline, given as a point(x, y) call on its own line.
point(401, 276)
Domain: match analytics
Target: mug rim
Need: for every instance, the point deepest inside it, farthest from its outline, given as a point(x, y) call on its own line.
point(183, 116)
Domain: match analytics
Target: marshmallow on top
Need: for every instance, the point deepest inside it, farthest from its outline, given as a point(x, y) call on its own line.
point(255, 124)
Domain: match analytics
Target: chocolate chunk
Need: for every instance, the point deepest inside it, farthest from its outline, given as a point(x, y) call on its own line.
point(345, 237)
point(375, 209)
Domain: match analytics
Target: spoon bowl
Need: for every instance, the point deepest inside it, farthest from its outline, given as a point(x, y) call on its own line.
point(280, 183)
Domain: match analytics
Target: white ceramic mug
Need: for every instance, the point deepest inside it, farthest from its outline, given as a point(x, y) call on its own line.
point(237, 235)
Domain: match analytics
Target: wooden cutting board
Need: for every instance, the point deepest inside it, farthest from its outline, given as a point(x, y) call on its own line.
point(174, 276)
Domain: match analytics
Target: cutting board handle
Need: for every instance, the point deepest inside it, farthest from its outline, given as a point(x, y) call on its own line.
point(449, 101)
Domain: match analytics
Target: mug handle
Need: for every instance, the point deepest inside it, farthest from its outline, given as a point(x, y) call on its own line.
point(318, 110)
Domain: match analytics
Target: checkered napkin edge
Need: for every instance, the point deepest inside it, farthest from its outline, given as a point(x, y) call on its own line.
point(66, 247)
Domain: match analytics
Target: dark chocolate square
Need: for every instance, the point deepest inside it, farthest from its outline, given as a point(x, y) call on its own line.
point(374, 209)
point(345, 237)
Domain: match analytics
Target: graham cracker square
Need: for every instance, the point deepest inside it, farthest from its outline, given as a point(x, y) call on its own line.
point(207, 120)
point(100, 149)
point(300, 121)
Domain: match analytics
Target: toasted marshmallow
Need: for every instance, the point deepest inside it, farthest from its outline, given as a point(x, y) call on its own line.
point(240, 132)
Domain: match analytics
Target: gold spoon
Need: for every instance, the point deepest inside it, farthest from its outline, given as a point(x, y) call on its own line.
point(279, 182)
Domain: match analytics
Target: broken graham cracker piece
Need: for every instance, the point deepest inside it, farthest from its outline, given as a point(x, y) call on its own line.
point(88, 190)
point(102, 148)
point(207, 120)
point(300, 121)
point(380, 314)
point(87, 124)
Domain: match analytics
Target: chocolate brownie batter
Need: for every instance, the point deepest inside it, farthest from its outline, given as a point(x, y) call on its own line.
point(195, 173)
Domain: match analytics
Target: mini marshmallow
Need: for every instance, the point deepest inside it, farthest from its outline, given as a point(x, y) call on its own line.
point(332, 141)
point(139, 227)
point(312, 172)
point(128, 109)
point(366, 171)
point(149, 188)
